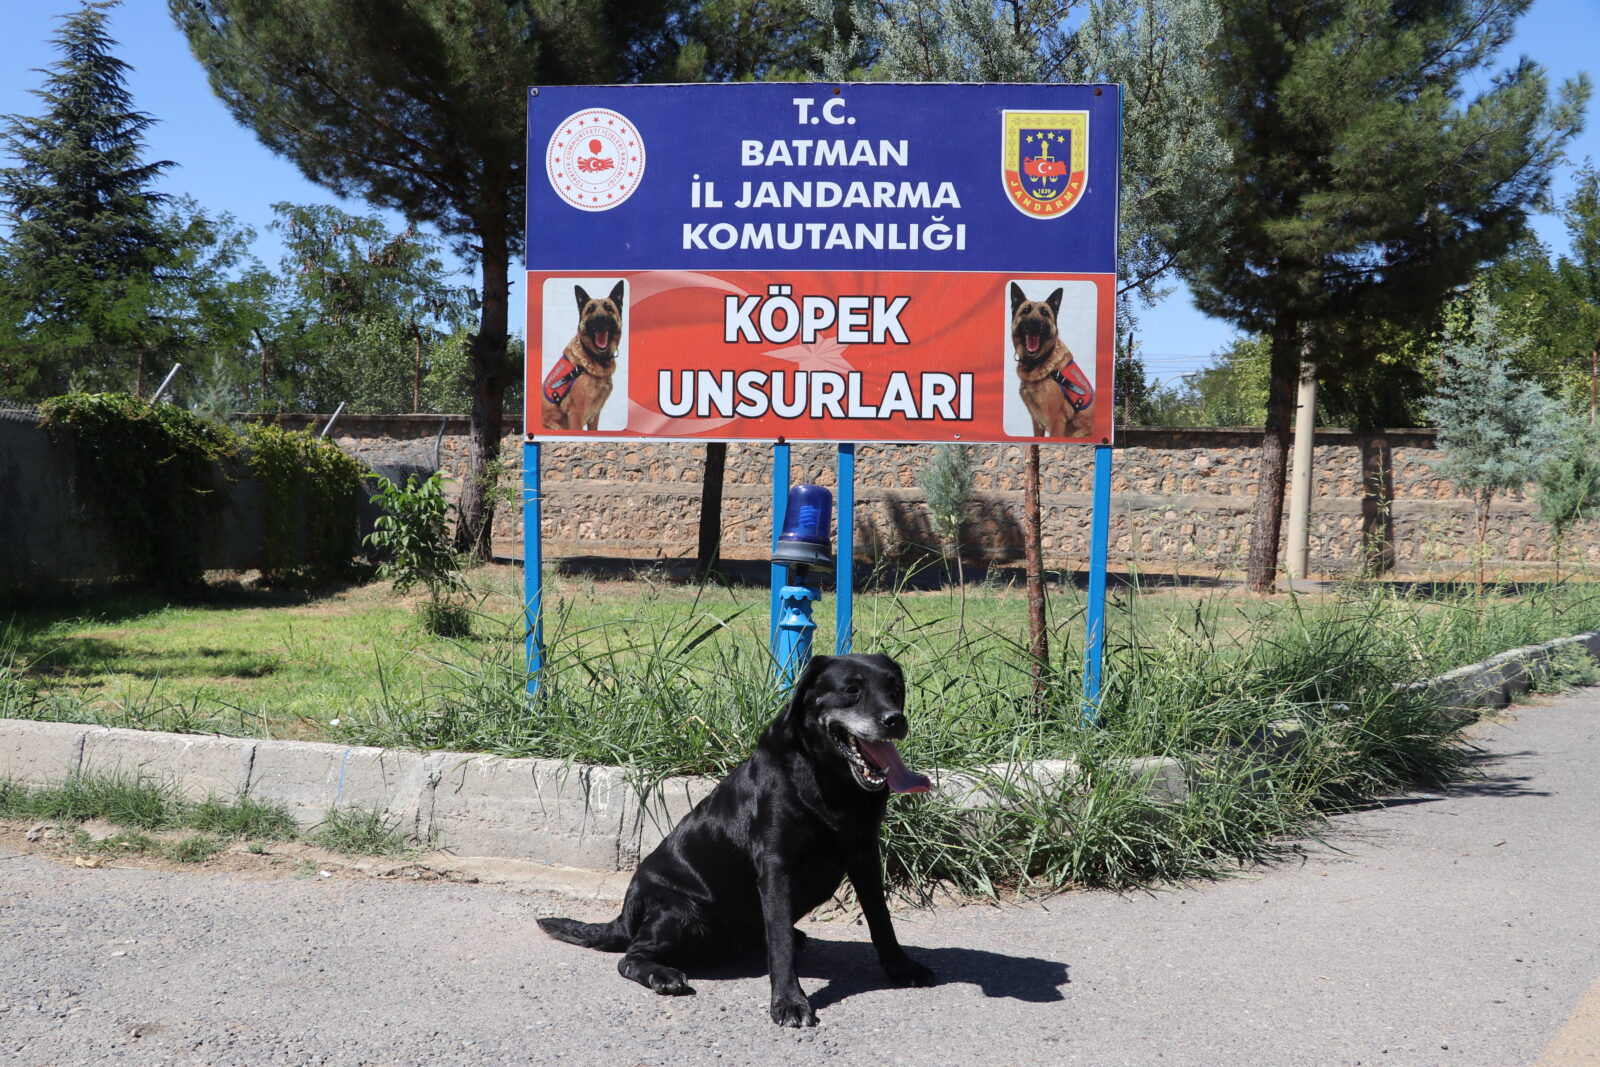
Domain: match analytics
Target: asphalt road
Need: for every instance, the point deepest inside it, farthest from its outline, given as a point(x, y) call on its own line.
point(1450, 930)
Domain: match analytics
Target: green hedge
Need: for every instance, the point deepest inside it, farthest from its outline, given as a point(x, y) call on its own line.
point(310, 493)
point(152, 473)
point(157, 477)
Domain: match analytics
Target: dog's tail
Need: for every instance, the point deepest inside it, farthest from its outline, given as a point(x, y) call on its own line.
point(607, 937)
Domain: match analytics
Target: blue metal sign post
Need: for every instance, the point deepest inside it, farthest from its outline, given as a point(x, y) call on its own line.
point(845, 570)
point(1099, 537)
point(532, 565)
point(789, 615)
point(782, 262)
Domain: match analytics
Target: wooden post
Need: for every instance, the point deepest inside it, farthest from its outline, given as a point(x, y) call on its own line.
point(1038, 638)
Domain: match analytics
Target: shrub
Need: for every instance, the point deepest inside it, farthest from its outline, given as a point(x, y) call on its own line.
point(309, 487)
point(413, 531)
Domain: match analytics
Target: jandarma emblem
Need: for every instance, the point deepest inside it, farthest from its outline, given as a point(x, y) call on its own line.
point(595, 159)
point(1045, 160)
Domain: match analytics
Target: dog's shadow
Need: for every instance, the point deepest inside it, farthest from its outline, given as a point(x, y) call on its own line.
point(851, 967)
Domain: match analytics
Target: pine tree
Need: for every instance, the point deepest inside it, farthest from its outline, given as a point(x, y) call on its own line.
point(1569, 483)
point(1495, 428)
point(1364, 190)
point(421, 108)
point(1172, 155)
point(86, 244)
point(1580, 272)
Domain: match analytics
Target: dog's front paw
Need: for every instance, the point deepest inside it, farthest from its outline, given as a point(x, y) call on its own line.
point(671, 982)
point(908, 971)
point(793, 1012)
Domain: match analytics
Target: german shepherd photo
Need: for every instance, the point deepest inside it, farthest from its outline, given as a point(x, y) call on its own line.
point(1058, 395)
point(577, 386)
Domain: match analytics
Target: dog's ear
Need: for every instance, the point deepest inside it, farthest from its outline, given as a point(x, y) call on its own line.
point(583, 297)
point(1016, 297)
point(616, 296)
point(1054, 300)
point(795, 713)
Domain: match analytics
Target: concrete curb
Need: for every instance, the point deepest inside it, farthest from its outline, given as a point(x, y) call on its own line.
point(549, 811)
point(1501, 680)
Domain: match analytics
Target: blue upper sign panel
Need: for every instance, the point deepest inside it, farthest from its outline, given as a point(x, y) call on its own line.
point(1007, 178)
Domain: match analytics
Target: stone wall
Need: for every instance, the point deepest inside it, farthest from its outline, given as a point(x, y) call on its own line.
point(1181, 499)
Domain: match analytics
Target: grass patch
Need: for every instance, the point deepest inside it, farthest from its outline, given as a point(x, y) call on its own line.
point(242, 817)
point(362, 831)
point(197, 848)
point(143, 805)
point(1565, 669)
point(137, 803)
point(119, 844)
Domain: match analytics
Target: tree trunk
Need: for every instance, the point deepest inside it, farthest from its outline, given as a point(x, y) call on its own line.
point(1377, 493)
point(1484, 501)
point(1305, 437)
point(710, 548)
point(487, 355)
point(261, 342)
point(1033, 557)
point(416, 368)
point(1266, 521)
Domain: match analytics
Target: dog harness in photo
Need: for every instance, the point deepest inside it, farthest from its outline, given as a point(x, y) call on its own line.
point(558, 383)
point(1074, 386)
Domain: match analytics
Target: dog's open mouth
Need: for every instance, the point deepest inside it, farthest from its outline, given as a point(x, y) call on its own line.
point(1032, 344)
point(877, 764)
point(601, 339)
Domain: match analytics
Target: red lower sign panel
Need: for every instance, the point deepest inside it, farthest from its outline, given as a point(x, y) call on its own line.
point(821, 356)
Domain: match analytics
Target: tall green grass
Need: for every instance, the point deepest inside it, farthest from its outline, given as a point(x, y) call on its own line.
point(1282, 709)
point(1295, 710)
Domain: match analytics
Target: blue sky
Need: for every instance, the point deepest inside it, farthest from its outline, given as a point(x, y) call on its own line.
point(225, 169)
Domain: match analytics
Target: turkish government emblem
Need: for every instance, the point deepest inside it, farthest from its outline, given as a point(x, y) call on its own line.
point(595, 159)
point(1045, 160)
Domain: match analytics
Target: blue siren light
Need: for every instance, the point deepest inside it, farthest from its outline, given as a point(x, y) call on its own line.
point(807, 537)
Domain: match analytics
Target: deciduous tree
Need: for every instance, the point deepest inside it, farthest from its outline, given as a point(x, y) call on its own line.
point(361, 311)
point(1580, 272)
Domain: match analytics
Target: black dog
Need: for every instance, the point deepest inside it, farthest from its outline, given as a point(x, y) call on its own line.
point(774, 840)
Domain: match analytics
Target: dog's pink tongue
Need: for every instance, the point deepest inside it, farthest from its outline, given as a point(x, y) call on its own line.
point(902, 779)
point(602, 338)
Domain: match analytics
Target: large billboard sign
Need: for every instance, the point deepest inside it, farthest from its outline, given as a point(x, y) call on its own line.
point(862, 262)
